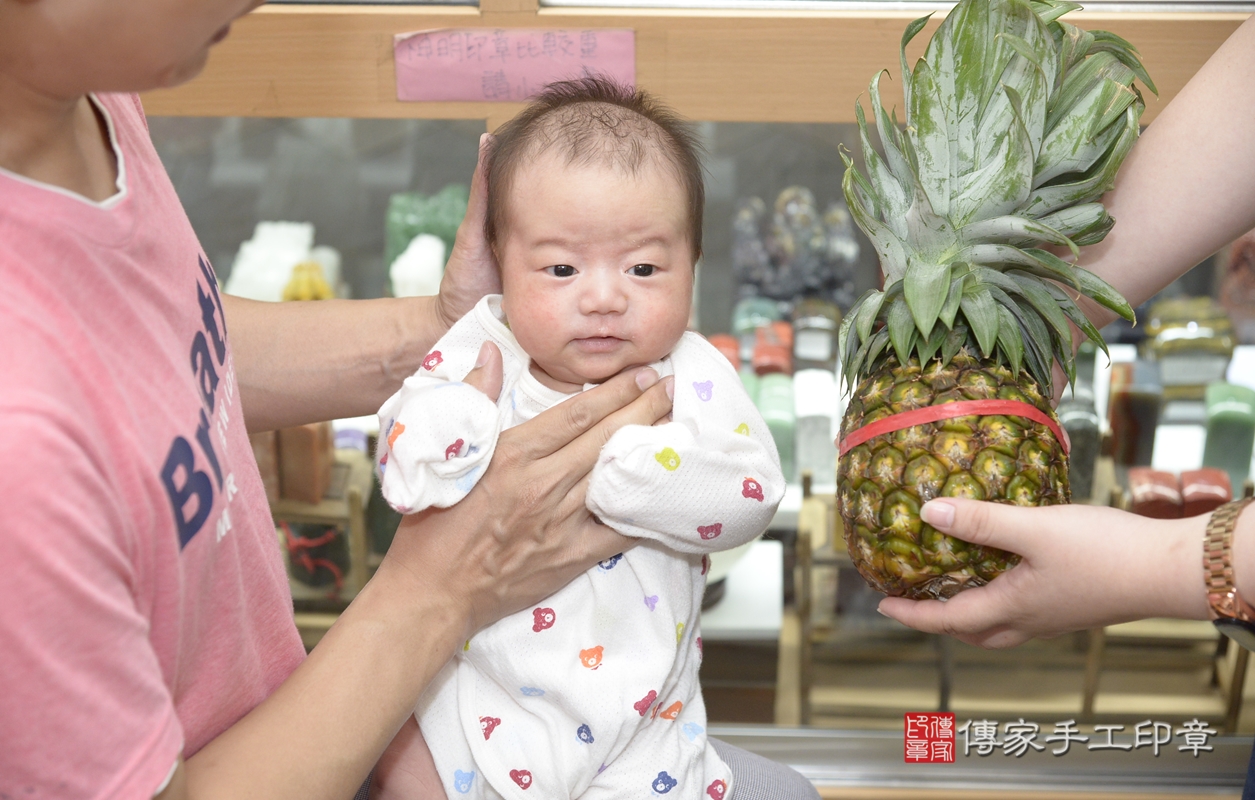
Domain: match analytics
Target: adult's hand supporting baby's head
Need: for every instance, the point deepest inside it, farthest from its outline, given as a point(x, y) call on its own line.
point(471, 271)
point(524, 531)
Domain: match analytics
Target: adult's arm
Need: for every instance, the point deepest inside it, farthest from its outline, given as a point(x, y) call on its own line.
point(522, 533)
point(1186, 189)
point(312, 361)
point(1188, 186)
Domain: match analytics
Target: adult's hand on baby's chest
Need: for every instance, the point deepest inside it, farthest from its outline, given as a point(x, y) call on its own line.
point(524, 532)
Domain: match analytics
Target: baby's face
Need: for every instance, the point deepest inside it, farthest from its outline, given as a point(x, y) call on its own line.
point(596, 268)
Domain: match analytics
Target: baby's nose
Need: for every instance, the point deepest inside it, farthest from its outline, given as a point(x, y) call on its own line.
point(603, 295)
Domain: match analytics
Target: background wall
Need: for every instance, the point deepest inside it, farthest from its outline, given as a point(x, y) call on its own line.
point(232, 172)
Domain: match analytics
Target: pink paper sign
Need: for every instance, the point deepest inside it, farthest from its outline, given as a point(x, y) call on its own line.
point(508, 64)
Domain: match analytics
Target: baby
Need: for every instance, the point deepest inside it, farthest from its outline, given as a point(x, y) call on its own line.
point(595, 214)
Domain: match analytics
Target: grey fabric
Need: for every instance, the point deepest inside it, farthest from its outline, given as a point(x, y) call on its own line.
point(758, 778)
point(364, 792)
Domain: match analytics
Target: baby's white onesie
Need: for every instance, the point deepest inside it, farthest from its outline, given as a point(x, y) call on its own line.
point(594, 692)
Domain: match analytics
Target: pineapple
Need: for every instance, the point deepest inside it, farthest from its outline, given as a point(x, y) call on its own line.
point(1016, 123)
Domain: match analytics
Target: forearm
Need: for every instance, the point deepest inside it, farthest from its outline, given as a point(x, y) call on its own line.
point(1166, 579)
point(1243, 555)
point(321, 732)
point(1188, 187)
point(312, 361)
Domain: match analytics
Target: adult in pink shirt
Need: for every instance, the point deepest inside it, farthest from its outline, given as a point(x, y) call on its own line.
point(146, 638)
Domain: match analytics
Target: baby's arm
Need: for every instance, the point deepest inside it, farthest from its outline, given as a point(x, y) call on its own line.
point(406, 770)
point(709, 480)
point(436, 434)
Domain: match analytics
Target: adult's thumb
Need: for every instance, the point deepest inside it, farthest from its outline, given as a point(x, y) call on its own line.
point(487, 374)
point(978, 522)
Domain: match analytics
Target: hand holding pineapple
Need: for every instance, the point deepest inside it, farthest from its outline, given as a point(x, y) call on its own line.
point(1187, 189)
point(1016, 123)
point(1081, 567)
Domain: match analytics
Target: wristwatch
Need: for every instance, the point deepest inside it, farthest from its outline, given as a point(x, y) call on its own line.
point(1232, 615)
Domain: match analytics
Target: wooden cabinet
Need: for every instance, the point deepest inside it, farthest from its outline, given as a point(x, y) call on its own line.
point(716, 65)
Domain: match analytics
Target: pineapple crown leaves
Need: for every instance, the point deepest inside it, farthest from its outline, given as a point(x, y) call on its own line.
point(1016, 123)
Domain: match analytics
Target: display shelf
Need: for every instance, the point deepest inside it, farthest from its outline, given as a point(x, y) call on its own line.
point(749, 65)
point(753, 603)
point(741, 637)
point(345, 507)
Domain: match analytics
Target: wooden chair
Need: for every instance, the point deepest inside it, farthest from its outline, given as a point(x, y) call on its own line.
point(1229, 663)
point(820, 544)
point(344, 507)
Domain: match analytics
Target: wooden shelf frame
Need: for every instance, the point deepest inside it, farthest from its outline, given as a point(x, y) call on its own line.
point(727, 66)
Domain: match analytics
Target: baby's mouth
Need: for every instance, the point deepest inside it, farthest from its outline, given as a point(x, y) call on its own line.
point(598, 344)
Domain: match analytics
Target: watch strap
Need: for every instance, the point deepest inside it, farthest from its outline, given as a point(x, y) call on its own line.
point(1223, 600)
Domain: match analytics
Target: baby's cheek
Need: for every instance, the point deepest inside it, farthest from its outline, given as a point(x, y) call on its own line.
point(539, 330)
point(662, 326)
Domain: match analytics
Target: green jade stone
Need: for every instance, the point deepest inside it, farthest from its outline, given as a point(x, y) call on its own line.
point(750, 314)
point(750, 380)
point(412, 213)
point(775, 403)
point(753, 313)
point(1230, 431)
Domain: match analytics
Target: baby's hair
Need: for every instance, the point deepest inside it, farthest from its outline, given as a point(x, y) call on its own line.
point(593, 120)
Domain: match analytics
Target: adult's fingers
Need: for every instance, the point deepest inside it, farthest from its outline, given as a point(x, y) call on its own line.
point(560, 426)
point(604, 541)
point(487, 374)
point(471, 271)
point(477, 207)
point(645, 410)
point(597, 541)
point(972, 616)
point(470, 236)
point(990, 524)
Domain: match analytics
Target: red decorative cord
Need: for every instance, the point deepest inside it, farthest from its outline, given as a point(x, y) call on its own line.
point(963, 408)
point(298, 550)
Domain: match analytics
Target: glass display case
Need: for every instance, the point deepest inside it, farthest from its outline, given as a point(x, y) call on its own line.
point(296, 120)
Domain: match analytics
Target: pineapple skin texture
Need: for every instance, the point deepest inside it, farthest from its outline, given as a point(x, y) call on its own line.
point(882, 483)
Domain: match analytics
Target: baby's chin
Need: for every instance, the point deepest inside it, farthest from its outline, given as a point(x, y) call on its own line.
point(578, 378)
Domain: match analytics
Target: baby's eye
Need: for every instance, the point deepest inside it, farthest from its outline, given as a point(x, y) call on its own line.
point(561, 270)
point(643, 270)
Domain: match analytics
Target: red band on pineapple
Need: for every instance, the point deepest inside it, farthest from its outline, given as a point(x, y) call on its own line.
point(963, 408)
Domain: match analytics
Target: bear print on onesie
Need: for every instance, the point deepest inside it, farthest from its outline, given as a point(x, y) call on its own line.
point(593, 692)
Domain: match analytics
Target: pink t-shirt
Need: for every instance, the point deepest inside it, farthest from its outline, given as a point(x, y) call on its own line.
point(143, 602)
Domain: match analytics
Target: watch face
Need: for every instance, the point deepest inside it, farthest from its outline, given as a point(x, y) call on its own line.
point(1241, 632)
